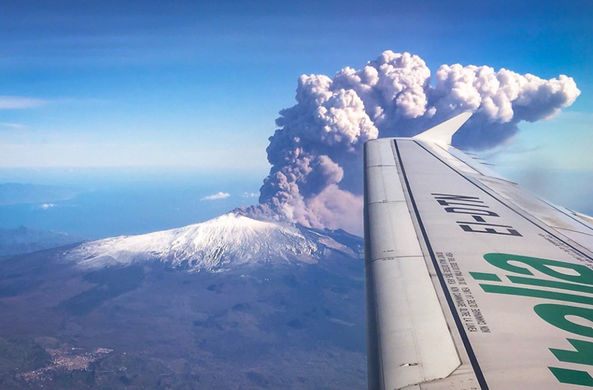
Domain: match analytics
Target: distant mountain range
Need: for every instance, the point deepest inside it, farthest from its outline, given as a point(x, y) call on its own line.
point(25, 240)
point(233, 302)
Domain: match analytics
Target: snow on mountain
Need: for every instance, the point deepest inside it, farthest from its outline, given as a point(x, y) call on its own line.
point(218, 244)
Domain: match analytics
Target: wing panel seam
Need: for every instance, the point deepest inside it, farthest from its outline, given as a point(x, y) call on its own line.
point(568, 215)
point(472, 357)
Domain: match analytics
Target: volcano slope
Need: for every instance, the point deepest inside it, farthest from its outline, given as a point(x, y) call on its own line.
point(229, 303)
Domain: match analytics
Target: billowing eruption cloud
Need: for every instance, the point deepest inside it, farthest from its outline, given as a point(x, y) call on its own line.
point(316, 152)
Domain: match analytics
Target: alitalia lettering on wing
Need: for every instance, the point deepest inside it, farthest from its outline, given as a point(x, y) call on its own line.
point(482, 219)
point(567, 284)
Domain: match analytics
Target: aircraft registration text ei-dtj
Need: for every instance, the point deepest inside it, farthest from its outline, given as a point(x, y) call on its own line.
point(471, 282)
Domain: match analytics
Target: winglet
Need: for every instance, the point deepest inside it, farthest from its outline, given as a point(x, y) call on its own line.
point(443, 132)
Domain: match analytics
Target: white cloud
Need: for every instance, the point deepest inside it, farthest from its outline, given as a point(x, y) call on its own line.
point(19, 102)
point(250, 195)
point(13, 126)
point(46, 206)
point(218, 195)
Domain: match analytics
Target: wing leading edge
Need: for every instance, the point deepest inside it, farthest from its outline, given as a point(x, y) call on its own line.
point(471, 282)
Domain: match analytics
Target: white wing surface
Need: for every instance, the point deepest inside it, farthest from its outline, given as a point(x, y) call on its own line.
point(472, 283)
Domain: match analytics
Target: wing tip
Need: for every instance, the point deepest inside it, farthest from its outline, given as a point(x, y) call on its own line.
point(443, 132)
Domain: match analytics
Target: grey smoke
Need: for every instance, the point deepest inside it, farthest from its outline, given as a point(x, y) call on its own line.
point(316, 174)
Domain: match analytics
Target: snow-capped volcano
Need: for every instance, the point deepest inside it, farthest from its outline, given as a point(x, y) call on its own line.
point(218, 244)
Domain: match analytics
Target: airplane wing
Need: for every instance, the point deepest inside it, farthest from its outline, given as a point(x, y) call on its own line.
point(472, 283)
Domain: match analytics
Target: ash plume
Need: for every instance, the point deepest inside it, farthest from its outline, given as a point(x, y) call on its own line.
point(316, 152)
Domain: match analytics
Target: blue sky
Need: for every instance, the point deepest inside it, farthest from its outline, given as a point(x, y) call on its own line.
point(180, 83)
